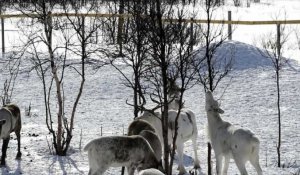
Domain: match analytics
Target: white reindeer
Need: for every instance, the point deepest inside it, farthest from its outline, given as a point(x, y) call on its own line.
point(187, 130)
point(228, 141)
point(134, 152)
point(151, 171)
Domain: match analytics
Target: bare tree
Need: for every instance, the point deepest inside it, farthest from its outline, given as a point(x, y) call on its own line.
point(84, 48)
point(11, 68)
point(111, 25)
point(210, 67)
point(181, 70)
point(75, 42)
point(273, 47)
point(135, 51)
point(158, 53)
point(170, 56)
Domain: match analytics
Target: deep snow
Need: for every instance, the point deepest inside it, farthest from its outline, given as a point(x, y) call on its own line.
point(249, 101)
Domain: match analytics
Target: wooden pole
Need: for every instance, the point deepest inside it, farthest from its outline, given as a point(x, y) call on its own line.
point(120, 27)
point(278, 40)
point(2, 32)
point(192, 39)
point(229, 26)
point(278, 92)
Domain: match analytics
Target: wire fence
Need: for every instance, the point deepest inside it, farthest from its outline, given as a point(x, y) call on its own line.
point(228, 22)
point(197, 21)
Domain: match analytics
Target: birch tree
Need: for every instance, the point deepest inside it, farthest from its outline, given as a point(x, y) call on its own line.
point(61, 39)
point(273, 49)
point(210, 67)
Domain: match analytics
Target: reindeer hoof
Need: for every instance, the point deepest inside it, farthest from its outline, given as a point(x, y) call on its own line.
point(197, 167)
point(19, 155)
point(2, 164)
point(182, 171)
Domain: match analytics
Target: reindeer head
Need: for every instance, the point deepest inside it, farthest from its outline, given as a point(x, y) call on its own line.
point(211, 105)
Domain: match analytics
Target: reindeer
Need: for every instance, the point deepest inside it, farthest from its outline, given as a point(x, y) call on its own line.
point(138, 126)
point(150, 171)
point(115, 151)
point(228, 141)
point(10, 121)
point(144, 129)
point(187, 130)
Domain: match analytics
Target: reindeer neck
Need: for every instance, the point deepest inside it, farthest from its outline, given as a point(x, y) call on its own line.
point(214, 119)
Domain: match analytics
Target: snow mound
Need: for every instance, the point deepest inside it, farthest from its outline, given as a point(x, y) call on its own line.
point(244, 56)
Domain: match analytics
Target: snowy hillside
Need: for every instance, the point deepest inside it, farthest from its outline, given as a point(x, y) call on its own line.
point(249, 101)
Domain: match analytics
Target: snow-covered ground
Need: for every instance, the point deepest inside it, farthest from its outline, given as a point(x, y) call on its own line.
point(249, 101)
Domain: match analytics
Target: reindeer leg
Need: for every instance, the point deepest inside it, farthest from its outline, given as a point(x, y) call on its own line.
point(99, 171)
point(254, 160)
point(180, 157)
point(226, 164)
point(18, 134)
point(219, 159)
point(196, 160)
point(130, 170)
point(4, 149)
point(240, 163)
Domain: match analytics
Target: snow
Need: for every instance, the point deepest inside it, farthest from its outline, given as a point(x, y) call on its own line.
point(249, 101)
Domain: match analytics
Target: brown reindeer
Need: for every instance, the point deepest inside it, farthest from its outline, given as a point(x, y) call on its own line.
point(114, 151)
point(10, 121)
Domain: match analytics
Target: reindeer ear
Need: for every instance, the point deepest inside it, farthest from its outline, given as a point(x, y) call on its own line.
point(217, 109)
point(221, 111)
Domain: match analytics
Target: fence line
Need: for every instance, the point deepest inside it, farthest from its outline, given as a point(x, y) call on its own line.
point(200, 21)
point(121, 17)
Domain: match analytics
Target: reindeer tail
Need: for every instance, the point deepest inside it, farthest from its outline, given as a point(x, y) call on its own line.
point(255, 144)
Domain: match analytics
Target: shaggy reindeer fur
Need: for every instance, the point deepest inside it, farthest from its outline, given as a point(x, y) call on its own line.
point(187, 130)
point(115, 151)
point(144, 129)
point(10, 121)
point(228, 141)
point(138, 126)
point(154, 142)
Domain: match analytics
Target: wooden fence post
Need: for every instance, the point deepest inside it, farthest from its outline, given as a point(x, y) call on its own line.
point(120, 27)
point(278, 40)
point(192, 39)
point(229, 26)
point(2, 32)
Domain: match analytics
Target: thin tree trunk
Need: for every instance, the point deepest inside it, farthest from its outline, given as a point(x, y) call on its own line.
point(279, 118)
point(135, 94)
point(83, 58)
point(210, 75)
point(48, 32)
point(277, 66)
point(164, 69)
